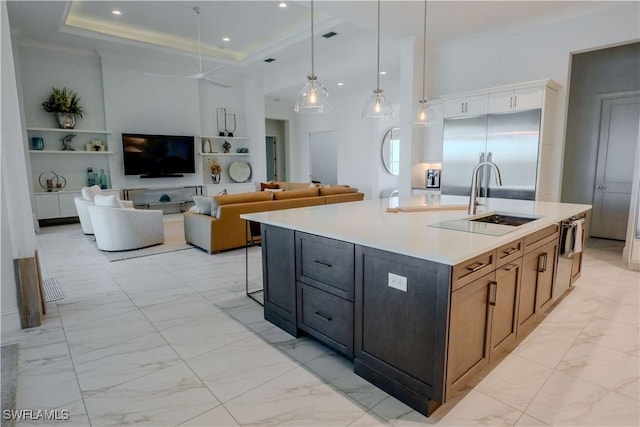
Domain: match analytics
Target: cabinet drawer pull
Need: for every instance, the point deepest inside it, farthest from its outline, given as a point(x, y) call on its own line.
point(510, 267)
point(542, 259)
point(510, 251)
point(476, 267)
point(493, 293)
point(323, 263)
point(322, 316)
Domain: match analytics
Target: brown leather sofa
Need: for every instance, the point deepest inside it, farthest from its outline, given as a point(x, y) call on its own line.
point(227, 230)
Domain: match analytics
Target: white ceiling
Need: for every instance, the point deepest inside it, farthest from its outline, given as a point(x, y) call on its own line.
point(167, 30)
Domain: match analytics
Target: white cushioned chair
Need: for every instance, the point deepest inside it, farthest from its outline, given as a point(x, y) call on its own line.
point(87, 199)
point(121, 229)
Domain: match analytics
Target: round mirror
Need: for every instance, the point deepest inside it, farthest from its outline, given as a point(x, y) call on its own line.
point(390, 151)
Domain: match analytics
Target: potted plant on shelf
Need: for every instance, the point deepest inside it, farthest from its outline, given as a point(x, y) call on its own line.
point(66, 104)
point(215, 169)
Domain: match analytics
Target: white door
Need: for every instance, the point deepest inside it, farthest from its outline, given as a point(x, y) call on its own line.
point(323, 157)
point(614, 170)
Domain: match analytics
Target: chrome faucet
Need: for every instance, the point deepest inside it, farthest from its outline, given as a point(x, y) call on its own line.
point(474, 184)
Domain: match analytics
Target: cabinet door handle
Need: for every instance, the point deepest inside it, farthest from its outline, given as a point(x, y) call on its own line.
point(476, 267)
point(466, 107)
point(462, 107)
point(323, 263)
point(510, 267)
point(322, 316)
point(515, 101)
point(511, 251)
point(511, 102)
point(542, 259)
point(493, 293)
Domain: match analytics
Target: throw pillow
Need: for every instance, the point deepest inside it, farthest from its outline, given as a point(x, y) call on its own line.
point(88, 193)
point(110, 201)
point(268, 185)
point(203, 203)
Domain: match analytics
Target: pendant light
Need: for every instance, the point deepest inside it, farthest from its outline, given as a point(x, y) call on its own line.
point(313, 98)
point(424, 114)
point(378, 106)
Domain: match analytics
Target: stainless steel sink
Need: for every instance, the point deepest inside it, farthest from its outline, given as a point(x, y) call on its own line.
point(491, 223)
point(504, 218)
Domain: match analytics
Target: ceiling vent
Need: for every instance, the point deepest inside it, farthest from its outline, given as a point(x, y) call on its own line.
point(269, 60)
point(329, 35)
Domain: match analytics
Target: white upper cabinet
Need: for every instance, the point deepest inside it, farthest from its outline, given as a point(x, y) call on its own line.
point(466, 106)
point(516, 100)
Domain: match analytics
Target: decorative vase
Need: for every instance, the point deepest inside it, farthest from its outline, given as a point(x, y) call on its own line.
point(66, 120)
point(215, 178)
point(103, 180)
point(37, 143)
point(221, 119)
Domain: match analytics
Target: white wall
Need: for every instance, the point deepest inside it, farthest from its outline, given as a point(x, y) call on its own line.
point(532, 53)
point(323, 157)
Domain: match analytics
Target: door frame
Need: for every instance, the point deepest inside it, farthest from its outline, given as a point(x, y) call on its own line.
point(634, 202)
point(275, 150)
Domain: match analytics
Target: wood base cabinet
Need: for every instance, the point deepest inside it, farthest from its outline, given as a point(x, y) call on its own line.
point(401, 306)
point(538, 276)
point(279, 277)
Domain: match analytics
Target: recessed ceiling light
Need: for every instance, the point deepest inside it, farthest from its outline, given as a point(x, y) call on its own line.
point(383, 73)
point(340, 84)
point(282, 5)
point(226, 39)
point(116, 12)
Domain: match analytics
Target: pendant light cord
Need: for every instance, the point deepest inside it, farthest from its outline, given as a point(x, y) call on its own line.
point(424, 49)
point(197, 11)
point(378, 66)
point(313, 73)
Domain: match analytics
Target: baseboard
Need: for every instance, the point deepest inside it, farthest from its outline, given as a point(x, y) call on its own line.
point(634, 265)
point(10, 321)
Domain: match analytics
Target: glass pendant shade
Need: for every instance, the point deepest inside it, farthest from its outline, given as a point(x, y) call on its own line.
point(313, 98)
point(377, 107)
point(424, 115)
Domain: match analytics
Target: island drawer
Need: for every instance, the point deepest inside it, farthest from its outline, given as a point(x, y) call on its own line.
point(468, 271)
point(541, 237)
point(326, 264)
point(509, 252)
point(327, 317)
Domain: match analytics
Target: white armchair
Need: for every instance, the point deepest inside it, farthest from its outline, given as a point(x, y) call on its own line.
point(118, 229)
point(83, 202)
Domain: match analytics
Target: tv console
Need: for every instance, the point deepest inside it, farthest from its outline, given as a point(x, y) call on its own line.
point(163, 197)
point(168, 175)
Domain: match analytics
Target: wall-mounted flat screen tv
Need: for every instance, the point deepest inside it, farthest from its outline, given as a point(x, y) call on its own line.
point(158, 155)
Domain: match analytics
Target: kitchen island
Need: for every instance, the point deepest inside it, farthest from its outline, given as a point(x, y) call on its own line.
point(419, 305)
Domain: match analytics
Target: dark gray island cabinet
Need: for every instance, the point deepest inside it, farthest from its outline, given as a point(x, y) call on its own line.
point(418, 329)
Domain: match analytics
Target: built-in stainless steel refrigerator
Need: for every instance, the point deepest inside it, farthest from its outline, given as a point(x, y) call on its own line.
point(510, 140)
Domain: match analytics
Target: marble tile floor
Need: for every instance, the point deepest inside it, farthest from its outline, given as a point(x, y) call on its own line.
point(171, 340)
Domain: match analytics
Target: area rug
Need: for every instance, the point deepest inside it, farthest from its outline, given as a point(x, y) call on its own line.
point(173, 241)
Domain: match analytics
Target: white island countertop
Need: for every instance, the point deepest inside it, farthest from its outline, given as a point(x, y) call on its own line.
point(368, 223)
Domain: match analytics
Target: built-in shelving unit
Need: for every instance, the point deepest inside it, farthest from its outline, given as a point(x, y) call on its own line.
point(104, 132)
point(68, 152)
point(229, 138)
point(223, 154)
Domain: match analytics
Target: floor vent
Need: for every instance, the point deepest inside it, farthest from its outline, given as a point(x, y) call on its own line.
point(52, 290)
